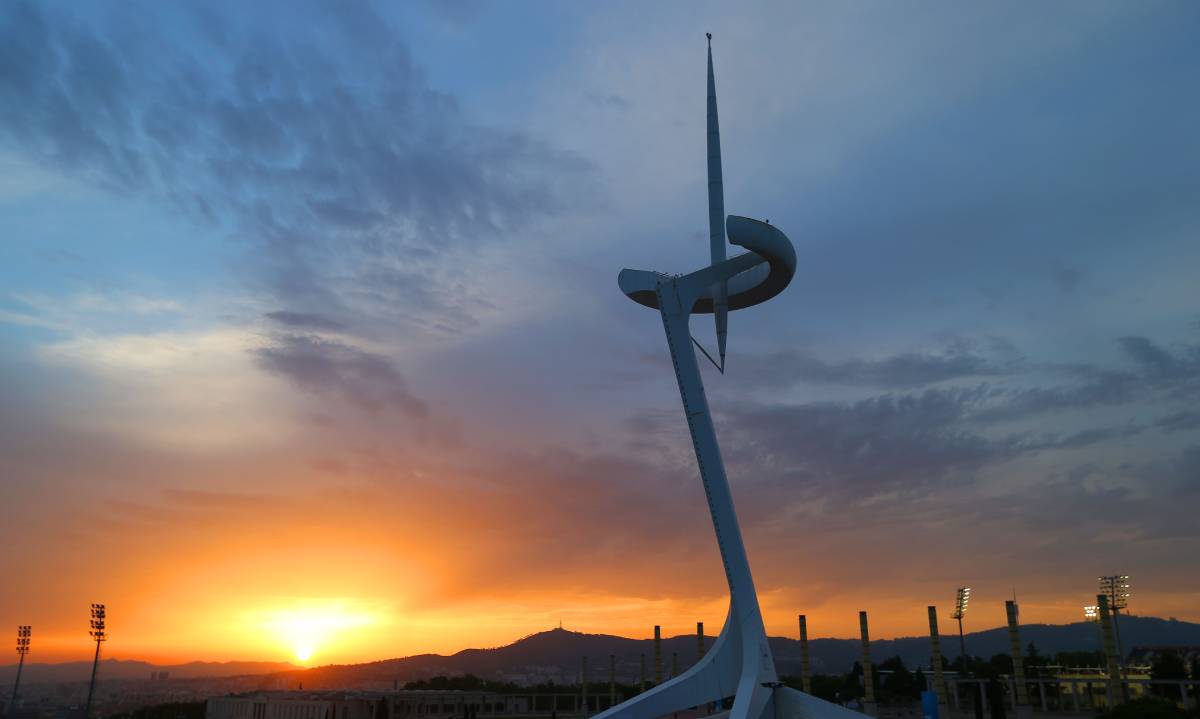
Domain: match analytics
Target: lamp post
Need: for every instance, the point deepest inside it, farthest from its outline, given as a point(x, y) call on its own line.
point(98, 635)
point(961, 600)
point(23, 633)
point(1116, 588)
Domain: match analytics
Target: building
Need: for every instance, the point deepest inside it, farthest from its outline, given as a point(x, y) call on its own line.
point(401, 704)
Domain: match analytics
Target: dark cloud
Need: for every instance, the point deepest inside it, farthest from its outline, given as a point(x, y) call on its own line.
point(320, 143)
point(883, 443)
point(912, 441)
point(1179, 421)
point(1066, 278)
point(1159, 365)
point(332, 369)
point(910, 369)
point(1085, 437)
point(304, 321)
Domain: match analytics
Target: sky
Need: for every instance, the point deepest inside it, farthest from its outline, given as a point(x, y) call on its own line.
point(311, 347)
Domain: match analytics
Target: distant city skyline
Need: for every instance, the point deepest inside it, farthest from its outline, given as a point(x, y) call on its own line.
point(310, 342)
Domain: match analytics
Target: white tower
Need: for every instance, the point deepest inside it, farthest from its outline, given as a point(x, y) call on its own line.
point(740, 662)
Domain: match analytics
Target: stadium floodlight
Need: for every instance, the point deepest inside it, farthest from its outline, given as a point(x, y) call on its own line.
point(960, 602)
point(1091, 613)
point(99, 634)
point(23, 633)
point(1116, 588)
point(99, 616)
point(961, 599)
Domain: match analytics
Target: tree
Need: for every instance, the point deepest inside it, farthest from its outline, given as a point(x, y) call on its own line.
point(1146, 707)
point(1168, 665)
point(898, 682)
point(1079, 659)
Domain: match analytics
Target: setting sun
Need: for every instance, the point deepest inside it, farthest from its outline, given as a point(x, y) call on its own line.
point(308, 629)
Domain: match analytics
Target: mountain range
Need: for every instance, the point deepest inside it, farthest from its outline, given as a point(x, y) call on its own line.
point(556, 655)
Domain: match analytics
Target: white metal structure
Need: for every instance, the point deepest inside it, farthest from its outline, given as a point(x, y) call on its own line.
point(740, 662)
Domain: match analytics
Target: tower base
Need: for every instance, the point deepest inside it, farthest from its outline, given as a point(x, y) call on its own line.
point(739, 664)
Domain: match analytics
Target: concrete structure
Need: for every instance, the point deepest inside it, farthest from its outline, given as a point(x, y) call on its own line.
point(1021, 708)
point(935, 654)
point(740, 663)
point(805, 666)
point(658, 665)
point(1110, 652)
point(869, 706)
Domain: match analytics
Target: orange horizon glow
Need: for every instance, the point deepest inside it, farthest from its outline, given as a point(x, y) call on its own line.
point(320, 632)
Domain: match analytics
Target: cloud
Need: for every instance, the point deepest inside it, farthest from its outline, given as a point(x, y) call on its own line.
point(319, 143)
point(304, 320)
point(1179, 421)
point(1160, 366)
point(908, 369)
point(329, 368)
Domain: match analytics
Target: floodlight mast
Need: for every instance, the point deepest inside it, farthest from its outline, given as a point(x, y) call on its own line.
point(23, 633)
point(98, 634)
point(1091, 613)
point(1116, 588)
point(740, 663)
point(961, 599)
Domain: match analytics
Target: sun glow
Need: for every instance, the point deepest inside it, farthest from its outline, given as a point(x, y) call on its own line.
point(308, 629)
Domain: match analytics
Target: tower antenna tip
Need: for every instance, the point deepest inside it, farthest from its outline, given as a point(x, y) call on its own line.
point(709, 36)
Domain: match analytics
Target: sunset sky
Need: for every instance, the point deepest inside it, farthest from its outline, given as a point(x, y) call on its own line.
point(311, 344)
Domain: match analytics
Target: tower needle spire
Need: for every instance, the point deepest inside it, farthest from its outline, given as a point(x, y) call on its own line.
point(716, 211)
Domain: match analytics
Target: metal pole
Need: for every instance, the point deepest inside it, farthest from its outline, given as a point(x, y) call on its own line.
point(1114, 673)
point(1116, 613)
point(20, 665)
point(962, 647)
point(87, 711)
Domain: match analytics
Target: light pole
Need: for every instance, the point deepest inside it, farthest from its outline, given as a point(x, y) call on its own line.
point(1116, 588)
point(1091, 613)
point(960, 608)
point(98, 635)
point(23, 633)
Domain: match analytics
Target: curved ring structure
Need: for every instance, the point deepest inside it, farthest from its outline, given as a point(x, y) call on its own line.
point(774, 266)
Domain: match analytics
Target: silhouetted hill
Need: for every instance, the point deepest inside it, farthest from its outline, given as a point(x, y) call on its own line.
point(555, 655)
point(132, 669)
